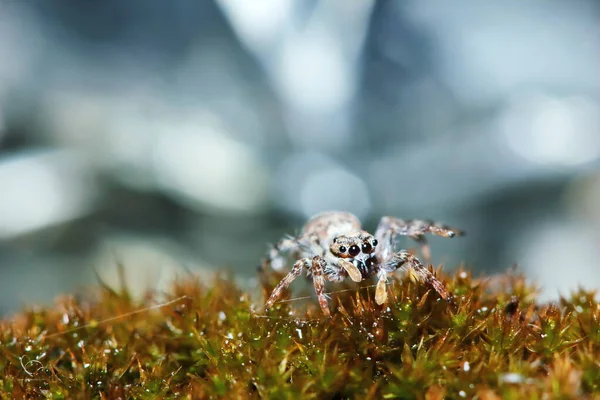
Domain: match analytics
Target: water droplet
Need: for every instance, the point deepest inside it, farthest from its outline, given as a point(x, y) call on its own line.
point(466, 366)
point(462, 393)
point(28, 348)
point(65, 318)
point(86, 365)
point(511, 377)
point(222, 316)
point(80, 344)
point(462, 275)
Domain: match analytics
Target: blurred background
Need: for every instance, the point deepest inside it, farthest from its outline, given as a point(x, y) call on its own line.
point(188, 137)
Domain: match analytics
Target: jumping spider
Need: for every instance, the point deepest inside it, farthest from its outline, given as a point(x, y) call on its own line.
point(333, 246)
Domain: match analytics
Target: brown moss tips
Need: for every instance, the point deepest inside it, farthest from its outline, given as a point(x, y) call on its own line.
point(212, 341)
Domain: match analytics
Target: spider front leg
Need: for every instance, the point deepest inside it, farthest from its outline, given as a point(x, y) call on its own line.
point(286, 281)
point(390, 227)
point(317, 266)
point(404, 259)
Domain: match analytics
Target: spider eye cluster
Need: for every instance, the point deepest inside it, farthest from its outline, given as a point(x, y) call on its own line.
point(343, 246)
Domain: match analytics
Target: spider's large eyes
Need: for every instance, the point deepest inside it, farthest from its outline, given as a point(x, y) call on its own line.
point(375, 242)
point(366, 247)
point(342, 249)
point(334, 240)
point(354, 250)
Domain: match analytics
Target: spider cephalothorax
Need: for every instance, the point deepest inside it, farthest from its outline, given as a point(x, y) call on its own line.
point(332, 246)
point(357, 248)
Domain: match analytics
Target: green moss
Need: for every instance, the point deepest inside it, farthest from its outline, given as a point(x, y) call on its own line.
point(493, 341)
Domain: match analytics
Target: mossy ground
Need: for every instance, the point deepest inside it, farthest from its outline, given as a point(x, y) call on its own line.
point(494, 341)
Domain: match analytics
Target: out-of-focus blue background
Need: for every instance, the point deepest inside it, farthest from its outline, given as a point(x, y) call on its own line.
point(187, 136)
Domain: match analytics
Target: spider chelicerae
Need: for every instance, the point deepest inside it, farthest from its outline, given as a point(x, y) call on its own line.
point(332, 246)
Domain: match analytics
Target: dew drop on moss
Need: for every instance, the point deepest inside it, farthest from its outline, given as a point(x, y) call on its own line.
point(466, 366)
point(511, 377)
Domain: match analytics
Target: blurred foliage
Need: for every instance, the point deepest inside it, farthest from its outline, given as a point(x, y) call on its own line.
point(213, 341)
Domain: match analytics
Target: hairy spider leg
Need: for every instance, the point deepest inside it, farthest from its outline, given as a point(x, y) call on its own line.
point(404, 259)
point(286, 281)
point(316, 267)
point(390, 227)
